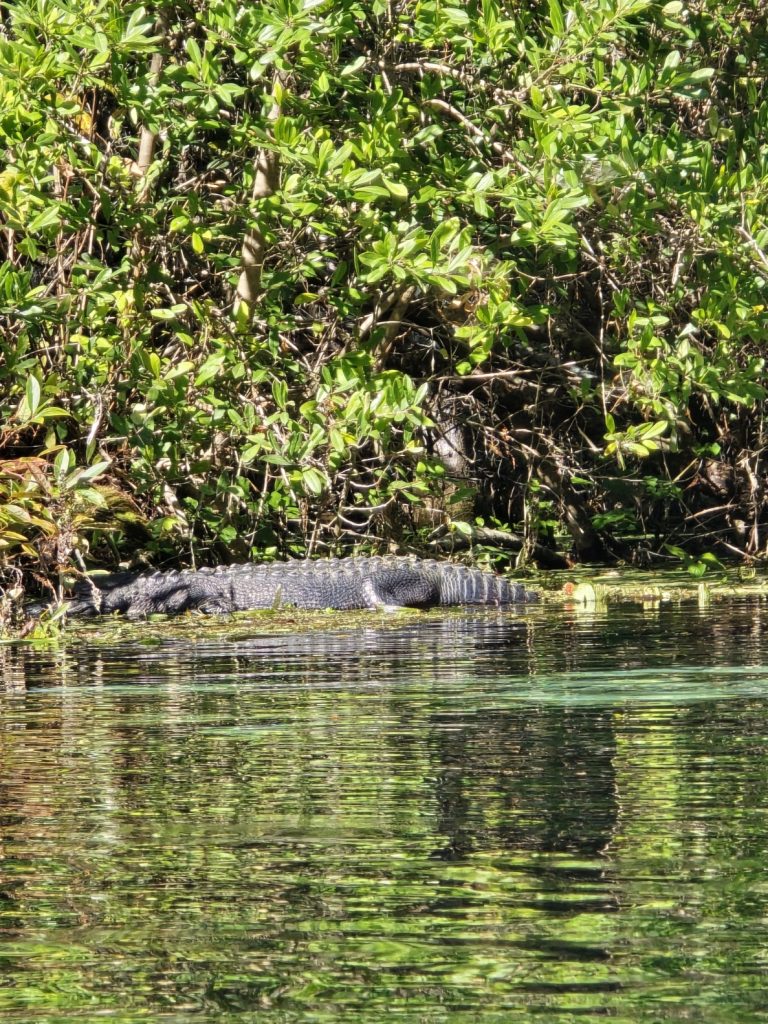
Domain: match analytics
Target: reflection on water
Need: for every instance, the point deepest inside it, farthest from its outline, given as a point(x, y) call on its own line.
point(462, 818)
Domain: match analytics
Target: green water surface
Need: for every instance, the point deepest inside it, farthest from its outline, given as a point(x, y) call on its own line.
point(554, 815)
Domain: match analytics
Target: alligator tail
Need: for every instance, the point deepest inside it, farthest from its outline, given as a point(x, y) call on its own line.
point(460, 585)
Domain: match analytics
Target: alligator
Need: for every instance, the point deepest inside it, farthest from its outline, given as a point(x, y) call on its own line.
point(341, 583)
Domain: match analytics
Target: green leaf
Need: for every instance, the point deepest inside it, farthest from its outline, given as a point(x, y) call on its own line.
point(167, 314)
point(556, 17)
point(193, 50)
point(33, 394)
point(62, 463)
point(51, 412)
point(700, 74)
point(96, 470)
point(210, 368)
point(280, 393)
point(457, 15)
point(48, 218)
point(354, 67)
point(649, 430)
point(465, 529)
point(396, 189)
point(313, 481)
point(92, 496)
point(672, 60)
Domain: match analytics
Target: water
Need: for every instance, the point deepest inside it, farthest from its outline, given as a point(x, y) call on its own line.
point(466, 818)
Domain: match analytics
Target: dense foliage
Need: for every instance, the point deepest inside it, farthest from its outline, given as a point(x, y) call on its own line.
point(304, 274)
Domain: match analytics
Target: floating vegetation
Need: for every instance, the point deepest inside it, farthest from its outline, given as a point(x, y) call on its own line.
point(588, 591)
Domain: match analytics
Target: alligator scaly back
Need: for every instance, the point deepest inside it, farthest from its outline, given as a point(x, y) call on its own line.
point(342, 583)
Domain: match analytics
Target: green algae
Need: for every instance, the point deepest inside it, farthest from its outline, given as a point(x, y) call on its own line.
point(114, 629)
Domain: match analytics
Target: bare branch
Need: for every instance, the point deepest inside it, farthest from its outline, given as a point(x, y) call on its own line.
point(477, 133)
point(393, 323)
point(443, 539)
point(743, 233)
point(470, 82)
point(388, 313)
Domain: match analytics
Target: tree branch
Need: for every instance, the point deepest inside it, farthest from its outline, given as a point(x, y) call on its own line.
point(148, 138)
point(265, 183)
